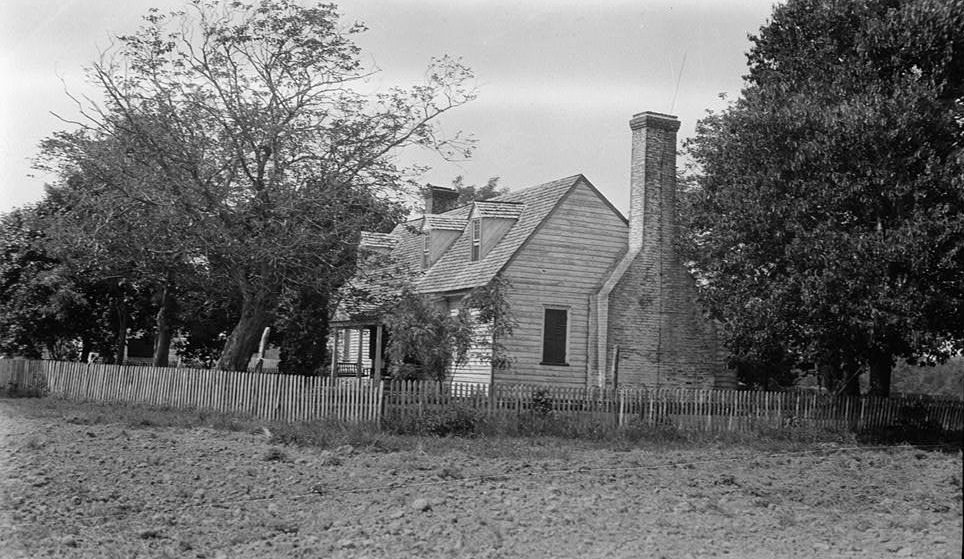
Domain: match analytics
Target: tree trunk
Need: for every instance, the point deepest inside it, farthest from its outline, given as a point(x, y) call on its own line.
point(84, 349)
point(881, 366)
point(256, 314)
point(851, 380)
point(120, 343)
point(162, 339)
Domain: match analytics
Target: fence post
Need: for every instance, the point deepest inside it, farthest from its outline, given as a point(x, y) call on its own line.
point(619, 420)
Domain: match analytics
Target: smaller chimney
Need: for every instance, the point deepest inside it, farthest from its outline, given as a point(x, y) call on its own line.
point(652, 199)
point(439, 199)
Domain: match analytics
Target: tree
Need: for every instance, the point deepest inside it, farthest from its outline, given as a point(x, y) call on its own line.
point(115, 241)
point(469, 193)
point(243, 125)
point(424, 338)
point(45, 306)
point(829, 215)
point(427, 339)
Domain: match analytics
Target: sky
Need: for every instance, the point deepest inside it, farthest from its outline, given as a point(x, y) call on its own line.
point(558, 80)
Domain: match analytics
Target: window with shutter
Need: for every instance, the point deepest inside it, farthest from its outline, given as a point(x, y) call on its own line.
point(554, 334)
point(476, 239)
point(426, 245)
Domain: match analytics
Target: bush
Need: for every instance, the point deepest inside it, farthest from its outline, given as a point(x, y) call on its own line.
point(542, 402)
point(454, 420)
point(914, 425)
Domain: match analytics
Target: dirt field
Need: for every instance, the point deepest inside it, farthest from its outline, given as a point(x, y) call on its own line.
point(72, 487)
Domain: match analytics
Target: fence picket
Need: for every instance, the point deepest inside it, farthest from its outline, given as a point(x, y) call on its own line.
point(295, 398)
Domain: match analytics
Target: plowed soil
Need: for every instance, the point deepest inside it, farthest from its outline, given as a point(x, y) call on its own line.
point(76, 488)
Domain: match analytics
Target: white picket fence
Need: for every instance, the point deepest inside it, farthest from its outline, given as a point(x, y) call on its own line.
point(262, 395)
point(294, 398)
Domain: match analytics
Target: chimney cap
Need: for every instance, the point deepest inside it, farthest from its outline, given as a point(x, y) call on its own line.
point(439, 199)
point(436, 188)
point(651, 119)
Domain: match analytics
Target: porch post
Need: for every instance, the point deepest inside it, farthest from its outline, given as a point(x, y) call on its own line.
point(361, 344)
point(377, 364)
point(334, 352)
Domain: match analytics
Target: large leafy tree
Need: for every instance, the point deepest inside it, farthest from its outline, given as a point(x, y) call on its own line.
point(828, 221)
point(106, 237)
point(245, 128)
point(46, 305)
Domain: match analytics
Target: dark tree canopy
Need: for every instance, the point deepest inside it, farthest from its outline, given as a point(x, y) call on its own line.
point(49, 304)
point(828, 219)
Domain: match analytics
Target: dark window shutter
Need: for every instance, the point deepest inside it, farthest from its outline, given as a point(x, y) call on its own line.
point(372, 342)
point(554, 337)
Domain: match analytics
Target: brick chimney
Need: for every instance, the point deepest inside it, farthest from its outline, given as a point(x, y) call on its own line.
point(439, 199)
point(652, 200)
point(650, 326)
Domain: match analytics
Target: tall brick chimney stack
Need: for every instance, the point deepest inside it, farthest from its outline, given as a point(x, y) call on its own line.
point(652, 200)
point(651, 329)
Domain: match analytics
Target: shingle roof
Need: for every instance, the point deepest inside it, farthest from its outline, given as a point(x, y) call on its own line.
point(375, 284)
point(504, 210)
point(444, 221)
point(378, 240)
point(408, 251)
point(455, 271)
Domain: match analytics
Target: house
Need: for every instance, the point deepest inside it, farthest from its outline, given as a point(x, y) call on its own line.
point(597, 299)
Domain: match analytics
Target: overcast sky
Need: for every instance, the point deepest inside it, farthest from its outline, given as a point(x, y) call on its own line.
point(558, 79)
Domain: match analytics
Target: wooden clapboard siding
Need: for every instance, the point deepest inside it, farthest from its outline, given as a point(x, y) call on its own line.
point(493, 229)
point(478, 368)
point(439, 241)
point(561, 265)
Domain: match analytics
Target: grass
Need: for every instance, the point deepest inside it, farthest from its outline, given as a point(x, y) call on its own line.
point(92, 413)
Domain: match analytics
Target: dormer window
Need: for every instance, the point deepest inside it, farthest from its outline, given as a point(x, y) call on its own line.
point(476, 239)
point(426, 254)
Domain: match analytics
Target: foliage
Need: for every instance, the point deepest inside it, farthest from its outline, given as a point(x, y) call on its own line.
point(46, 306)
point(493, 312)
point(469, 193)
point(542, 402)
point(425, 338)
point(27, 283)
point(943, 379)
point(456, 420)
point(241, 127)
point(828, 222)
point(204, 328)
point(302, 327)
point(107, 238)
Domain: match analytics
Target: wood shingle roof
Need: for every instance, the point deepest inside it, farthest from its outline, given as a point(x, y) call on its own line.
point(455, 271)
point(444, 221)
point(376, 281)
point(504, 210)
point(378, 241)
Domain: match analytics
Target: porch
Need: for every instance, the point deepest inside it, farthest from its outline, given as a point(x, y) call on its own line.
point(358, 351)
